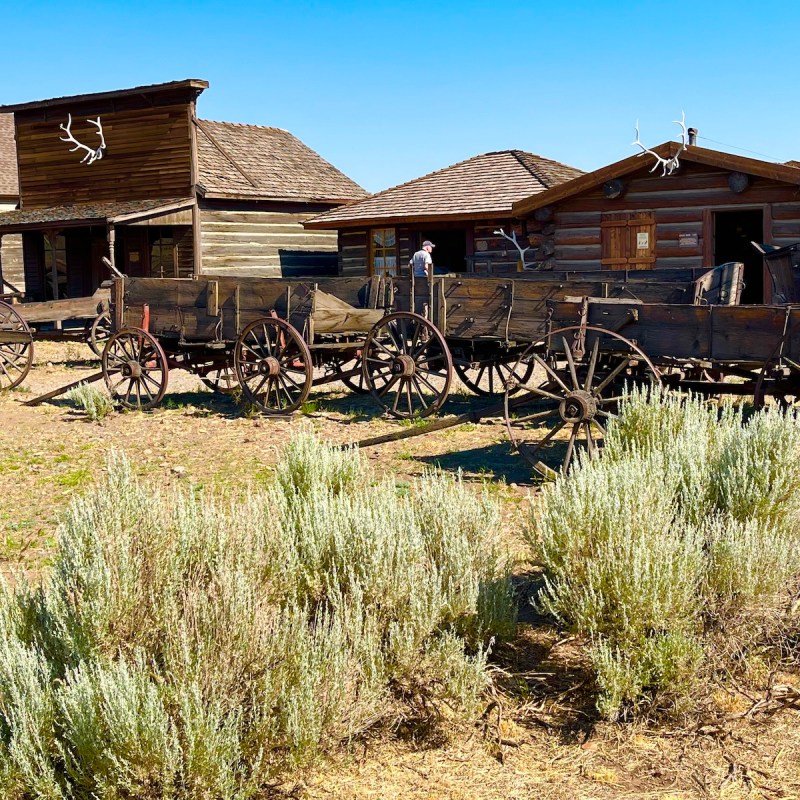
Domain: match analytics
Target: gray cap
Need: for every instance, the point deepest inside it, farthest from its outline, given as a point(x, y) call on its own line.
point(428, 243)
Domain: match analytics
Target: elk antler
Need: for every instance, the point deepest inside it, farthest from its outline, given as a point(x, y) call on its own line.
point(91, 155)
point(668, 165)
point(513, 240)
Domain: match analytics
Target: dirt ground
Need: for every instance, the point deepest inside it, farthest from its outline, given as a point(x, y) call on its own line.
point(540, 740)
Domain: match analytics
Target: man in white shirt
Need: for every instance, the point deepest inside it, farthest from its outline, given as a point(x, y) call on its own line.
point(422, 263)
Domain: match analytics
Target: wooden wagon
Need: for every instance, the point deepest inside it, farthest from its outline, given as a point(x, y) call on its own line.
point(274, 338)
point(23, 323)
point(395, 338)
point(594, 348)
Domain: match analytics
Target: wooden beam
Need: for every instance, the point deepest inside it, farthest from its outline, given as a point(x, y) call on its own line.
point(42, 398)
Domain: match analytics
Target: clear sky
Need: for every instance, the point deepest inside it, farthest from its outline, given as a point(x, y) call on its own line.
point(390, 91)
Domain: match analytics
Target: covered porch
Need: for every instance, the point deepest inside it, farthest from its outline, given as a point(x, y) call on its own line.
point(65, 247)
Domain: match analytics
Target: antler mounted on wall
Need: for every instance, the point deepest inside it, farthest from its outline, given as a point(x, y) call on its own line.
point(91, 155)
point(668, 165)
point(513, 240)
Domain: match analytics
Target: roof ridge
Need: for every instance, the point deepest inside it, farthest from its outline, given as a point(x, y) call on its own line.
point(247, 125)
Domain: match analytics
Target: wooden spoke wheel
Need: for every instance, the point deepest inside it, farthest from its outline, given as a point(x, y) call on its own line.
point(16, 347)
point(574, 391)
point(99, 333)
point(491, 378)
point(135, 369)
point(355, 383)
point(273, 365)
point(779, 376)
point(407, 365)
point(221, 379)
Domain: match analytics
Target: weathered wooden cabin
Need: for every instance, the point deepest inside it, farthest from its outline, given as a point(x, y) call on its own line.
point(10, 246)
point(708, 212)
point(459, 208)
point(134, 176)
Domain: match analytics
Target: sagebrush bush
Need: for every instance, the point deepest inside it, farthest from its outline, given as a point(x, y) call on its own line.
point(663, 549)
point(195, 646)
point(94, 401)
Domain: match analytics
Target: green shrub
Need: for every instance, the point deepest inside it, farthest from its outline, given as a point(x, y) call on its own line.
point(94, 401)
point(686, 526)
point(195, 646)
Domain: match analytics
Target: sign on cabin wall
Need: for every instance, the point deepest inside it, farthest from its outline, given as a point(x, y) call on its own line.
point(687, 240)
point(642, 241)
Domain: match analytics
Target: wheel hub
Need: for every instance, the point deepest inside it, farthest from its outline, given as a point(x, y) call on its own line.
point(403, 366)
point(578, 406)
point(269, 366)
point(132, 369)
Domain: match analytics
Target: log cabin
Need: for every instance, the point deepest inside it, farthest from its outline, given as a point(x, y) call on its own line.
point(459, 208)
point(135, 177)
point(10, 246)
point(629, 216)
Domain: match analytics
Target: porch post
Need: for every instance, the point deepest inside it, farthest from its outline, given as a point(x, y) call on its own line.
point(111, 236)
point(2, 280)
point(50, 235)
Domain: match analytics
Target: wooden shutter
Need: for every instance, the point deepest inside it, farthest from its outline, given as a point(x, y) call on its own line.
point(620, 236)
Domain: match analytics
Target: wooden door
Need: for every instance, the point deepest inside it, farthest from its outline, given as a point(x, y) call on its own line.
point(628, 240)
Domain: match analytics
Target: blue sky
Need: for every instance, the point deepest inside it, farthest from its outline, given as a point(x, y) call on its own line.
point(390, 91)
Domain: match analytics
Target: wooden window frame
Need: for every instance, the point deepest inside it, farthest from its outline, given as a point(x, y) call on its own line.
point(373, 253)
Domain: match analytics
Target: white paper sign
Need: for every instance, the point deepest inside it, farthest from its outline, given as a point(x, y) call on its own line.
point(642, 241)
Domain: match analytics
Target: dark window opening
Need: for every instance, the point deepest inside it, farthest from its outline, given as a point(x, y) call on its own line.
point(733, 233)
point(450, 253)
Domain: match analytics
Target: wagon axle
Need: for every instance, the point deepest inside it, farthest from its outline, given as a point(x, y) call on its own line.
point(578, 406)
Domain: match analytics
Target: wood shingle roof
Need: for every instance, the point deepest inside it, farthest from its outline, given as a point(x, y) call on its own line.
point(252, 161)
point(481, 186)
point(9, 182)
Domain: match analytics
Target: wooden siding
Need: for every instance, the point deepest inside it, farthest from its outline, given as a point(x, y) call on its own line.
point(353, 252)
point(148, 155)
point(267, 242)
point(11, 254)
point(680, 204)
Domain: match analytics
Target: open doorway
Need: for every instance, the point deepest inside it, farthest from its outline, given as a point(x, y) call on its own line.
point(733, 232)
point(450, 253)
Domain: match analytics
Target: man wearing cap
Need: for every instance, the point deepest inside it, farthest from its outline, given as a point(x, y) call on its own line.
point(422, 263)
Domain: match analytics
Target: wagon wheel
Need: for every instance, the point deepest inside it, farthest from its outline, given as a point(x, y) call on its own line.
point(273, 365)
point(221, 379)
point(491, 378)
point(578, 390)
point(779, 376)
point(407, 365)
point(355, 383)
point(135, 369)
point(99, 333)
point(16, 347)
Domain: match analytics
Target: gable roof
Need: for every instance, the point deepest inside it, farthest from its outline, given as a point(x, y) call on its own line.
point(253, 161)
point(9, 182)
point(699, 155)
point(479, 187)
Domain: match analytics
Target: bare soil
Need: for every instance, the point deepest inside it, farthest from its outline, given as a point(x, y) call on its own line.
point(540, 737)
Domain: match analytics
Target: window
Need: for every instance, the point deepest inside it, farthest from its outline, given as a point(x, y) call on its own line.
point(384, 252)
point(163, 263)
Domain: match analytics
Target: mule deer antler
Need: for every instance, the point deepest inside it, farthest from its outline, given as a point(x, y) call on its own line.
point(513, 240)
point(668, 165)
point(91, 155)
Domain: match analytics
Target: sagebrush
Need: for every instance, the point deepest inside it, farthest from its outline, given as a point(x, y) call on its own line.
point(94, 401)
point(195, 646)
point(674, 551)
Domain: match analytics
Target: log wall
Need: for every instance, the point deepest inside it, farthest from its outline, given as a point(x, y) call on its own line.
point(681, 204)
point(264, 240)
